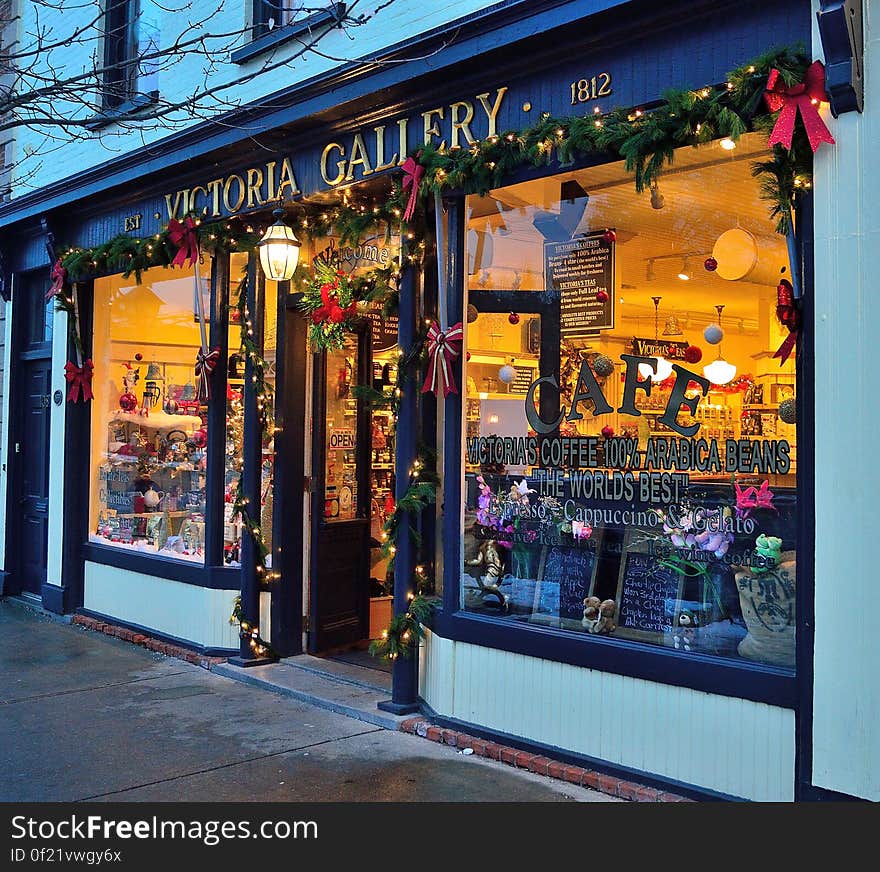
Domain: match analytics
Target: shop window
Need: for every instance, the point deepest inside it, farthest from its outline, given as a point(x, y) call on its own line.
point(149, 430)
point(131, 36)
point(594, 504)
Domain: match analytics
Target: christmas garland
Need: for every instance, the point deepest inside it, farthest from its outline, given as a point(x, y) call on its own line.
point(405, 629)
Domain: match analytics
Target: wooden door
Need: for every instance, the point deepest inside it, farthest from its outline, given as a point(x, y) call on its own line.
point(339, 596)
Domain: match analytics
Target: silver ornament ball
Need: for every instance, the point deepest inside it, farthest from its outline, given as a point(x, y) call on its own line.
point(603, 365)
point(713, 334)
point(788, 411)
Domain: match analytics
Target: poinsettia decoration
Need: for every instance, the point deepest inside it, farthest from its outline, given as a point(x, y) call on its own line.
point(331, 304)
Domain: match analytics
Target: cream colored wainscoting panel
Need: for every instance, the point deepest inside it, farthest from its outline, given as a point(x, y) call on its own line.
point(56, 450)
point(265, 615)
point(846, 659)
point(724, 744)
point(185, 611)
point(4, 436)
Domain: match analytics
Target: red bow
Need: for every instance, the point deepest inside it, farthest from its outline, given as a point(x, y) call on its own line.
point(205, 363)
point(185, 237)
point(789, 317)
point(803, 97)
point(80, 380)
point(443, 348)
point(331, 310)
point(413, 173)
point(59, 279)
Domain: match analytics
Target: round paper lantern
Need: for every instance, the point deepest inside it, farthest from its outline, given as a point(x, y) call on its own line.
point(507, 373)
point(603, 365)
point(788, 411)
point(713, 334)
point(736, 253)
point(693, 354)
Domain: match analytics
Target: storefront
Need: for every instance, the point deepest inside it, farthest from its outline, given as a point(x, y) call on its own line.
point(620, 535)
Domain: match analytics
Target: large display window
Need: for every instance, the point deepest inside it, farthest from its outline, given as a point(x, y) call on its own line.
point(149, 429)
point(630, 438)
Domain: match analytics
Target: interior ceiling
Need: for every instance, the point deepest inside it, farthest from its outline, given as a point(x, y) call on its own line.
point(706, 192)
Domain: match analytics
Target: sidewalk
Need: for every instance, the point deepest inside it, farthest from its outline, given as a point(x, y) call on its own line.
point(85, 716)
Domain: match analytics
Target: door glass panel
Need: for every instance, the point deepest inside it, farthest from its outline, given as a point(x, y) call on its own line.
point(341, 455)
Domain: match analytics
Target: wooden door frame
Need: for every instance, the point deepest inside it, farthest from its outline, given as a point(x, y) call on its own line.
point(319, 457)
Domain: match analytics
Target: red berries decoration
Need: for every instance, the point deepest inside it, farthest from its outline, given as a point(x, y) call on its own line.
point(711, 264)
point(693, 354)
point(607, 432)
point(467, 355)
point(602, 296)
point(609, 236)
point(513, 318)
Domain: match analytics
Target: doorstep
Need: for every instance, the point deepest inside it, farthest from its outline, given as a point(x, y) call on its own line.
point(332, 685)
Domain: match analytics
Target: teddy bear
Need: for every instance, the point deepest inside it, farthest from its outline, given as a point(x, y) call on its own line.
point(685, 630)
point(599, 615)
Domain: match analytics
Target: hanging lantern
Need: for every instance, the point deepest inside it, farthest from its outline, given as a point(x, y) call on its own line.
point(664, 367)
point(719, 371)
point(507, 373)
point(279, 250)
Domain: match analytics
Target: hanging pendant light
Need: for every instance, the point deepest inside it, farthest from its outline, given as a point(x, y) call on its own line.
point(719, 371)
point(664, 367)
point(279, 250)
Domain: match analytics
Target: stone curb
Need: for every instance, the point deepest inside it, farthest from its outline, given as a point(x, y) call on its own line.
point(610, 784)
point(147, 642)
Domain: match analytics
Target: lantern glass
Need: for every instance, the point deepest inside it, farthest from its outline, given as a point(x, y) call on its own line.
point(719, 372)
point(279, 252)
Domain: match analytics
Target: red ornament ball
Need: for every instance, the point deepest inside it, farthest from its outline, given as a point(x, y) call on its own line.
point(607, 432)
point(693, 354)
point(513, 318)
point(711, 264)
point(139, 357)
point(128, 402)
point(467, 355)
point(609, 236)
point(602, 296)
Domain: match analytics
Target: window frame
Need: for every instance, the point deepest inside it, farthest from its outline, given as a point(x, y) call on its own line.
point(120, 48)
point(745, 680)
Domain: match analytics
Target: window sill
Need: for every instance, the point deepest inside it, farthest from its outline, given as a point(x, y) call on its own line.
point(217, 577)
point(754, 682)
point(128, 109)
point(332, 15)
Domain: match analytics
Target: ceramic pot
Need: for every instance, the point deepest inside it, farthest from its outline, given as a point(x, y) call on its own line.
point(767, 601)
point(152, 498)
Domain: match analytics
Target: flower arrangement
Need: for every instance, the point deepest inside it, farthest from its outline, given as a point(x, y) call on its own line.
point(331, 304)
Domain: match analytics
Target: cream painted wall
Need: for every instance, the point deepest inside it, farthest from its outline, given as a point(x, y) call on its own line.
point(402, 20)
point(846, 696)
point(720, 743)
point(194, 614)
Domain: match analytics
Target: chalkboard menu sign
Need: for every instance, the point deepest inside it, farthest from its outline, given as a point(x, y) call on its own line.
point(572, 569)
point(579, 269)
point(525, 375)
point(383, 336)
point(647, 594)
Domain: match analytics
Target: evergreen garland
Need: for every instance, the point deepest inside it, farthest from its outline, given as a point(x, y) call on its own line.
point(405, 629)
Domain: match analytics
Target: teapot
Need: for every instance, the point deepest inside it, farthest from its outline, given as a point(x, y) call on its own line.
point(152, 498)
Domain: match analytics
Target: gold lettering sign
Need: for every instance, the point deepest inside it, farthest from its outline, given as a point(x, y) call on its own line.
point(250, 189)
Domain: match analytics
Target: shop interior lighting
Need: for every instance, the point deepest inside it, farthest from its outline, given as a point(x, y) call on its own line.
point(719, 371)
point(664, 367)
point(685, 274)
point(727, 144)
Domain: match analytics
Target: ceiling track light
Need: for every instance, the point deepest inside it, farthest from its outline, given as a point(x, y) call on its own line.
point(685, 274)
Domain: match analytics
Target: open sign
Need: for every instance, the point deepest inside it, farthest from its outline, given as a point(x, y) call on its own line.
point(340, 440)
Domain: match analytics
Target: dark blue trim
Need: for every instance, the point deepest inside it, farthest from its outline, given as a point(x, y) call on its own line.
point(333, 15)
point(214, 577)
point(162, 637)
point(625, 773)
point(620, 656)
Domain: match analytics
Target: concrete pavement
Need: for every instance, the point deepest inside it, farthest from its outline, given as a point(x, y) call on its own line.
point(83, 716)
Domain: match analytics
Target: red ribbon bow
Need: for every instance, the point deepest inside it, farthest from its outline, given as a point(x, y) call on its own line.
point(185, 237)
point(789, 317)
point(331, 310)
point(443, 348)
point(59, 279)
point(80, 380)
point(205, 364)
point(804, 98)
point(413, 172)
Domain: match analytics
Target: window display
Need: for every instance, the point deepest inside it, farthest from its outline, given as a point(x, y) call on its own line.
point(630, 445)
point(149, 430)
